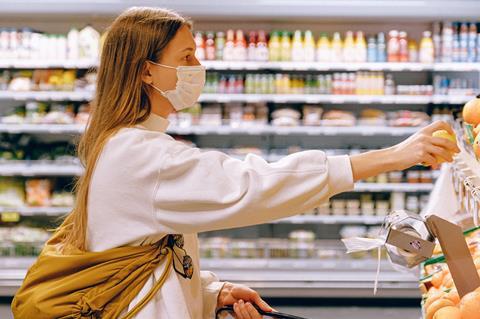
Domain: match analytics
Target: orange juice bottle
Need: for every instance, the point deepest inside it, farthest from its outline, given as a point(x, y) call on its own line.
point(309, 46)
point(349, 48)
point(298, 52)
point(324, 48)
point(285, 47)
point(274, 46)
point(336, 53)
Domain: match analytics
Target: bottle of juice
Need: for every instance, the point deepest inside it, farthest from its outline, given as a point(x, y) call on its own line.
point(427, 54)
point(262, 49)
point(274, 46)
point(412, 51)
point(456, 45)
point(229, 49)
point(298, 52)
point(285, 47)
point(240, 46)
point(309, 46)
point(219, 45)
point(200, 43)
point(447, 42)
point(389, 88)
point(463, 42)
point(437, 41)
point(381, 48)
point(371, 50)
point(472, 40)
point(403, 47)
point(252, 46)
point(324, 53)
point(393, 47)
point(336, 49)
point(360, 48)
point(349, 51)
point(210, 46)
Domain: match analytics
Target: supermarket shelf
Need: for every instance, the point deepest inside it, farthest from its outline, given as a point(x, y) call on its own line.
point(45, 64)
point(332, 219)
point(39, 169)
point(457, 67)
point(47, 95)
point(42, 128)
point(393, 187)
point(225, 130)
point(276, 277)
point(315, 98)
point(318, 66)
point(36, 211)
point(251, 9)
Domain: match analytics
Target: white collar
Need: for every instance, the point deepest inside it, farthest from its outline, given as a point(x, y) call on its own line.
point(155, 122)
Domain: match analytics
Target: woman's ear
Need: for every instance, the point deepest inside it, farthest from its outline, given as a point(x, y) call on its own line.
point(146, 73)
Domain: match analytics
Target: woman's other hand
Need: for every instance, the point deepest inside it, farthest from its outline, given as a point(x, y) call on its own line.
point(243, 300)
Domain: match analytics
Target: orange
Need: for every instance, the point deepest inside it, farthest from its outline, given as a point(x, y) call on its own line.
point(471, 111)
point(432, 298)
point(448, 281)
point(437, 279)
point(448, 313)
point(470, 306)
point(453, 296)
point(437, 305)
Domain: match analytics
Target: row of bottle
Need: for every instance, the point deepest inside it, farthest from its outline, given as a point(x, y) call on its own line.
point(27, 44)
point(457, 42)
point(281, 46)
point(360, 83)
point(444, 85)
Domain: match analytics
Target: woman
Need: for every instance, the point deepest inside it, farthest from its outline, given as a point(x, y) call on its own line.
point(140, 184)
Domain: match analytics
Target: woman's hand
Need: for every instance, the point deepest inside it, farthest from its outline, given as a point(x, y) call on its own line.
point(423, 148)
point(420, 148)
point(242, 298)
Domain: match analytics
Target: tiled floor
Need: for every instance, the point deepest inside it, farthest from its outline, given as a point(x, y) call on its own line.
point(318, 313)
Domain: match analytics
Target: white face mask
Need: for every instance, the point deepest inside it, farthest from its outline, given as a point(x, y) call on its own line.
point(190, 83)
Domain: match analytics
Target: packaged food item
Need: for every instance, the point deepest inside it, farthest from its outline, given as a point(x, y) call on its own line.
point(38, 192)
point(397, 201)
point(395, 177)
point(360, 48)
point(338, 118)
point(298, 50)
point(382, 207)
point(286, 117)
point(229, 49)
point(12, 192)
point(219, 45)
point(240, 47)
point(210, 50)
point(353, 207)
point(372, 117)
point(285, 47)
point(338, 207)
point(393, 47)
point(403, 47)
point(413, 177)
point(427, 52)
point(200, 46)
point(309, 46)
point(274, 47)
point(312, 115)
point(426, 177)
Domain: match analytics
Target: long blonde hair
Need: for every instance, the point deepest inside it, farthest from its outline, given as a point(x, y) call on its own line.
point(121, 99)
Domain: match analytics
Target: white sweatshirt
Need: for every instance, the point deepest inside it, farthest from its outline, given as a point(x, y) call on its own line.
point(147, 185)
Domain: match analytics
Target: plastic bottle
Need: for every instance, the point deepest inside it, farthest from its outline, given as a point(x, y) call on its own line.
point(309, 46)
point(240, 46)
point(437, 41)
point(456, 47)
point(360, 48)
point(403, 47)
point(285, 47)
point(262, 49)
point(463, 42)
point(229, 49)
point(349, 51)
point(274, 46)
point(72, 45)
point(252, 46)
point(336, 51)
point(381, 48)
point(372, 50)
point(412, 51)
point(324, 53)
point(427, 54)
point(389, 88)
point(478, 45)
point(393, 47)
point(447, 42)
point(219, 45)
point(472, 40)
point(298, 52)
point(200, 43)
point(210, 47)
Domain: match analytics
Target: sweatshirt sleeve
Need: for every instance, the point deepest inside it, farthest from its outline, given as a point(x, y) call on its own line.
point(211, 287)
point(201, 191)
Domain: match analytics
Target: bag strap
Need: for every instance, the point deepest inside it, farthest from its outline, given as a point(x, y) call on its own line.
point(155, 288)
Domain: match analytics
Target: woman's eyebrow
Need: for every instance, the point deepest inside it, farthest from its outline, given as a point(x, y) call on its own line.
point(188, 49)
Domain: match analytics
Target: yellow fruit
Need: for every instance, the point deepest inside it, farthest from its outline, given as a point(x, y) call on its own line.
point(471, 111)
point(437, 305)
point(453, 296)
point(470, 306)
point(448, 313)
point(446, 135)
point(437, 279)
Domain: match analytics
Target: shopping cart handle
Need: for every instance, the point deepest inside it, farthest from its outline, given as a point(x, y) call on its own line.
point(276, 315)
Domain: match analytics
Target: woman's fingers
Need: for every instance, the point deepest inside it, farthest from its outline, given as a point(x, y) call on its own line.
point(261, 303)
point(241, 311)
point(438, 125)
point(252, 311)
point(429, 160)
point(446, 144)
point(440, 152)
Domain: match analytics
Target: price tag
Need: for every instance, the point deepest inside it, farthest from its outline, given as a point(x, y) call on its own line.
point(10, 217)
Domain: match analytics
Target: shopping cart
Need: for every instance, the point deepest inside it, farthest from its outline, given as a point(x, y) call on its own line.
point(266, 315)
